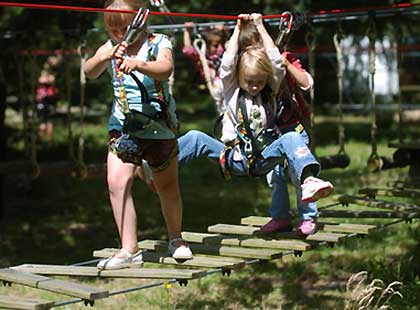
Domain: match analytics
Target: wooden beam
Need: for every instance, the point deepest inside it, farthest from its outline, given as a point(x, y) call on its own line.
point(13, 302)
point(53, 285)
point(245, 241)
point(196, 261)
point(229, 251)
point(253, 231)
point(322, 226)
point(138, 273)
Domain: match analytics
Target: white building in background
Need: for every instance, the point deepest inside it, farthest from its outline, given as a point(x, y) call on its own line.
point(356, 77)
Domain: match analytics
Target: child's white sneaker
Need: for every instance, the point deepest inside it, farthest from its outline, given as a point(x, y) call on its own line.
point(180, 251)
point(124, 261)
point(314, 189)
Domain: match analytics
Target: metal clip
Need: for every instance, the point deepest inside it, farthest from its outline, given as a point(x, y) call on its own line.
point(136, 27)
point(285, 26)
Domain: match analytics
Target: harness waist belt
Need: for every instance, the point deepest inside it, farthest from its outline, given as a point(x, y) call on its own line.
point(298, 128)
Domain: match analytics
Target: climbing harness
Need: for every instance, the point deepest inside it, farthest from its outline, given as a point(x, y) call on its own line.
point(154, 109)
point(251, 140)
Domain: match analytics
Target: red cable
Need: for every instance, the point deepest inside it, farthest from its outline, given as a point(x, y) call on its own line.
point(209, 16)
point(90, 9)
point(376, 8)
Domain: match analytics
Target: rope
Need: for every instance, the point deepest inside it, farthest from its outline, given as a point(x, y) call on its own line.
point(374, 160)
point(200, 47)
point(22, 102)
point(67, 74)
point(338, 40)
point(80, 154)
point(33, 153)
point(310, 40)
point(398, 38)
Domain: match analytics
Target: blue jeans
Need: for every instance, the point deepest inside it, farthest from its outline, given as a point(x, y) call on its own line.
point(280, 203)
point(291, 146)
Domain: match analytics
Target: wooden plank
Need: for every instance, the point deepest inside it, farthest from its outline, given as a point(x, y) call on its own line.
point(347, 228)
point(250, 230)
point(229, 251)
point(196, 261)
point(234, 229)
point(393, 192)
point(138, 273)
point(13, 302)
point(245, 241)
point(317, 237)
point(53, 285)
point(322, 226)
point(375, 203)
point(255, 220)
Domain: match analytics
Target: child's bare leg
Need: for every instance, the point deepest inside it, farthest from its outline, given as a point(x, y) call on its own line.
point(120, 180)
point(167, 186)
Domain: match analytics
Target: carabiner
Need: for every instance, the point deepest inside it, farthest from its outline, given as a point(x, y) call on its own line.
point(136, 27)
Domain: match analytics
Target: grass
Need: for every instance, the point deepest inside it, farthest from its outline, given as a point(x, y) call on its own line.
point(61, 220)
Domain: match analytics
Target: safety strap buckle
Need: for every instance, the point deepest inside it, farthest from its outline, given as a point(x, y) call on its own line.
point(136, 27)
point(223, 161)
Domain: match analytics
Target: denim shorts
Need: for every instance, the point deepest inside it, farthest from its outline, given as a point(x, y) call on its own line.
point(158, 153)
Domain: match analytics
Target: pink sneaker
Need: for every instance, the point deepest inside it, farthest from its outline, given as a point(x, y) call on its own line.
point(276, 225)
point(314, 189)
point(306, 227)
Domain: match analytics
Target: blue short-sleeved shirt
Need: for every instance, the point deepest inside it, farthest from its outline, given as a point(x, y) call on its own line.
point(157, 129)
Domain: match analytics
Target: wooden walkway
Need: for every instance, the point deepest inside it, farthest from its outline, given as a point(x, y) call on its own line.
point(222, 248)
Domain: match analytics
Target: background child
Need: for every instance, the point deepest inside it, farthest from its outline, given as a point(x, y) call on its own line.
point(148, 59)
point(47, 95)
point(214, 41)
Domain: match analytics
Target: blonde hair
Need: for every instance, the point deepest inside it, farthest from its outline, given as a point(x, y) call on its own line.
point(114, 20)
point(253, 61)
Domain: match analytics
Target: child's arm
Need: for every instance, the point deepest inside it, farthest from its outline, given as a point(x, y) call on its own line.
point(303, 79)
point(272, 51)
point(97, 64)
point(159, 69)
point(233, 44)
point(187, 35)
point(265, 37)
point(228, 66)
